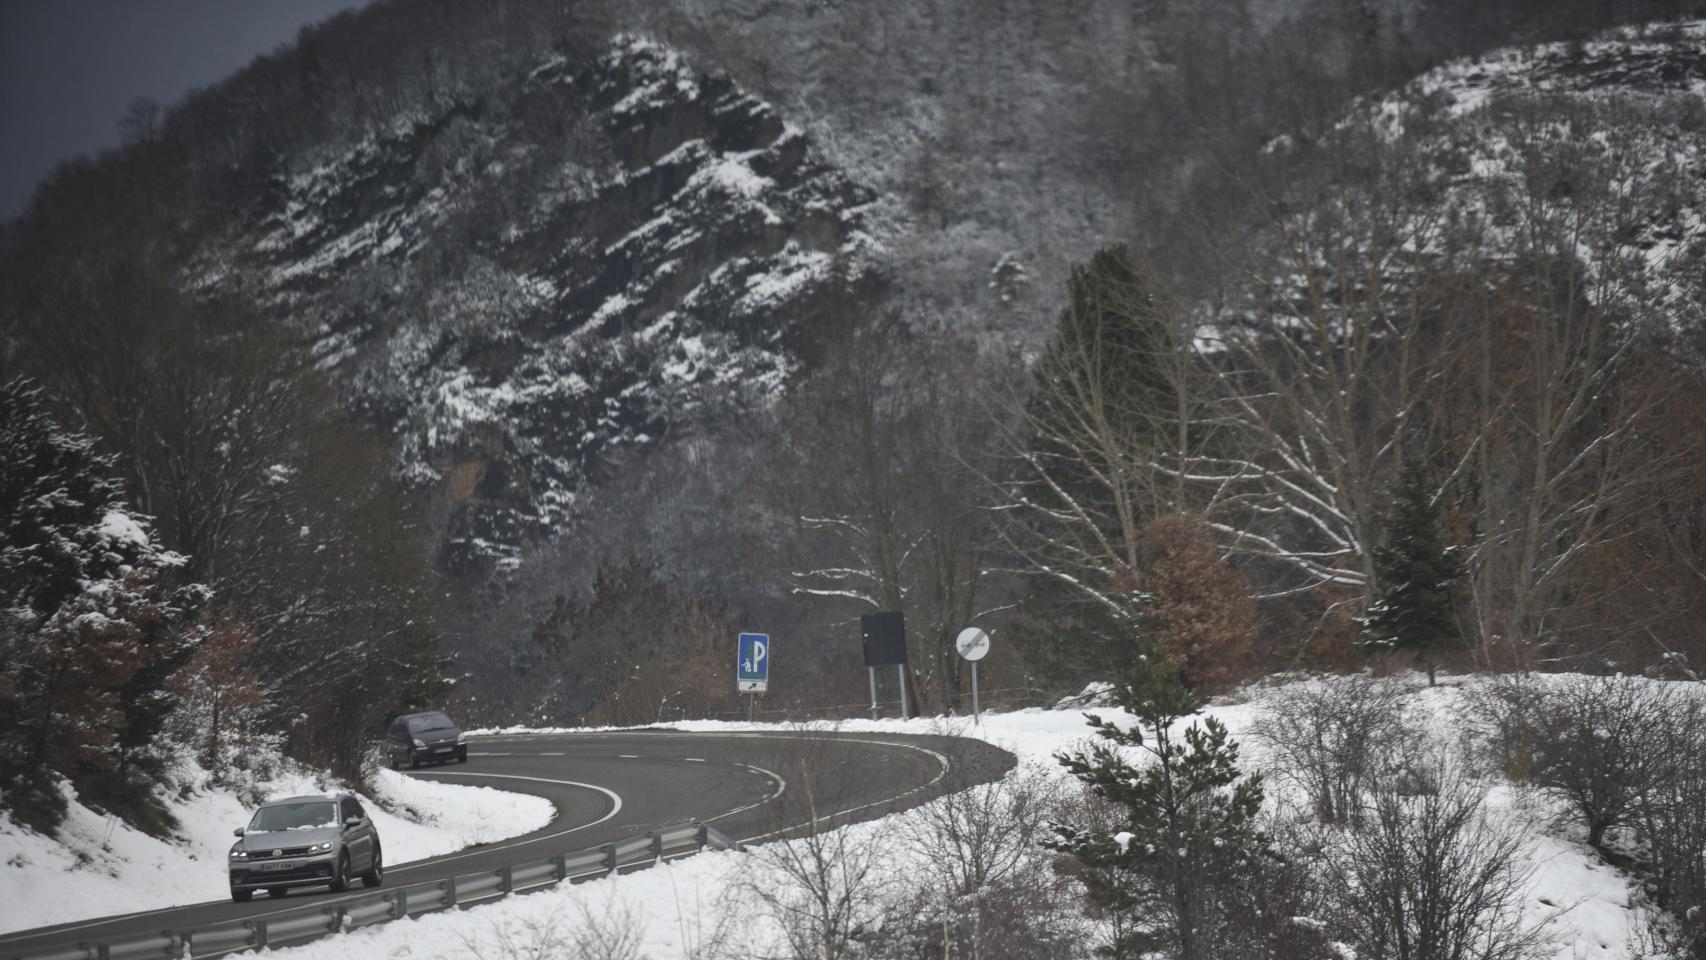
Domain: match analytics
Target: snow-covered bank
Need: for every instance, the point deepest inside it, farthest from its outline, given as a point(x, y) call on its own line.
point(675, 911)
point(99, 866)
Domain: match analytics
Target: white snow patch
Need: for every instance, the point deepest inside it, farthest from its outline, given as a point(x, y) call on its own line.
point(121, 527)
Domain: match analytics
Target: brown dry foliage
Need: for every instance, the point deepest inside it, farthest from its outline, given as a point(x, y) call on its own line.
point(217, 689)
point(1208, 621)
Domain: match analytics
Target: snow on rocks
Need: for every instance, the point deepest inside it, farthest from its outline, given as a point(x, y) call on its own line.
point(532, 343)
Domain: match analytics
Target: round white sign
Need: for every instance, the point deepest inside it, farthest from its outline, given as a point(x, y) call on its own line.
point(972, 643)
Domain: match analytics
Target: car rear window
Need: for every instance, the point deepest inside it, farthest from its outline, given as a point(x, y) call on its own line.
point(429, 721)
point(301, 815)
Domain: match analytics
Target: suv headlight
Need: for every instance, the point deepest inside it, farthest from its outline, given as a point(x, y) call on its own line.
point(458, 736)
point(320, 847)
point(420, 743)
point(237, 854)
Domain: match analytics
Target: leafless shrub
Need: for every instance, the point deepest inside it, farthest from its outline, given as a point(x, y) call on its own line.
point(1283, 898)
point(1602, 744)
point(978, 836)
point(832, 896)
point(613, 932)
point(986, 888)
point(1431, 875)
point(1672, 819)
point(1329, 738)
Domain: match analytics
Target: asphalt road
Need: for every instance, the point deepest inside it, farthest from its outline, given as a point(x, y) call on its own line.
point(610, 786)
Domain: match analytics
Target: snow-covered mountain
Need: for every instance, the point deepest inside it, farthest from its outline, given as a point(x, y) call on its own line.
point(531, 280)
point(1610, 132)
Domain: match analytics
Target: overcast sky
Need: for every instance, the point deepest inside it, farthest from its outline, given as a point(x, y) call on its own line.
point(68, 68)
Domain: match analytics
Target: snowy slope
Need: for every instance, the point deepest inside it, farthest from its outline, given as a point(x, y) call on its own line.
point(98, 865)
point(678, 908)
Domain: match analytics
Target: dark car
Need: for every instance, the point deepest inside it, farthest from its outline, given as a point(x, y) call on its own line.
point(417, 738)
point(305, 842)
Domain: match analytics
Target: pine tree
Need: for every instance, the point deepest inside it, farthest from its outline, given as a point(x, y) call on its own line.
point(1187, 833)
point(1100, 394)
point(1416, 572)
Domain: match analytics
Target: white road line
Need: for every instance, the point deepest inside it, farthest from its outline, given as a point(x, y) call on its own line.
point(943, 760)
point(615, 808)
point(627, 756)
point(694, 759)
point(485, 754)
point(550, 754)
point(781, 785)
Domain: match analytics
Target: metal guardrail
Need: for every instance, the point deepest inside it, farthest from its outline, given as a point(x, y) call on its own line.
point(308, 922)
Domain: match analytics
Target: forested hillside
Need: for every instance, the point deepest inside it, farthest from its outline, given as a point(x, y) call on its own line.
point(521, 353)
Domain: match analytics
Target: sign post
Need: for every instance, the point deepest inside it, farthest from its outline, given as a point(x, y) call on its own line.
point(752, 668)
point(973, 645)
point(884, 635)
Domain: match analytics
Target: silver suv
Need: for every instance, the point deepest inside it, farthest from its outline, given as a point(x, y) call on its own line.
point(304, 842)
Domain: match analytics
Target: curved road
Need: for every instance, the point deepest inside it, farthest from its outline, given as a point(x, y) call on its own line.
point(610, 786)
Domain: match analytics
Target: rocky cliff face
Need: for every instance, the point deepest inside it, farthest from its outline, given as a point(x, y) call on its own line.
point(521, 285)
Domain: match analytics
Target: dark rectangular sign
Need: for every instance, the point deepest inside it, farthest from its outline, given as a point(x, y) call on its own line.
point(885, 638)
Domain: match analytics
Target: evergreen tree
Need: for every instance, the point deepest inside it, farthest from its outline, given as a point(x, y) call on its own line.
point(86, 629)
point(1416, 572)
point(1097, 412)
point(1185, 838)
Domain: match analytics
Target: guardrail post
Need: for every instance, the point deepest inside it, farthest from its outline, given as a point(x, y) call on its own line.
point(257, 932)
point(657, 845)
point(103, 951)
point(506, 879)
point(610, 858)
point(450, 891)
point(182, 943)
point(399, 904)
point(560, 866)
point(335, 917)
point(702, 836)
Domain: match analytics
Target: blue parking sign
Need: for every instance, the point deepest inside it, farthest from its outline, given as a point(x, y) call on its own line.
point(752, 666)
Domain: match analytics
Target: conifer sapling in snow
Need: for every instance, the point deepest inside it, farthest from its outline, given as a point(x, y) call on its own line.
point(1187, 829)
point(1416, 572)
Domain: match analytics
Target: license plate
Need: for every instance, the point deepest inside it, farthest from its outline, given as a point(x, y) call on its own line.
point(442, 749)
point(276, 867)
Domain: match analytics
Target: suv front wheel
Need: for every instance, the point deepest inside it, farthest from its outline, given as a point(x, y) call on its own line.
point(340, 879)
point(375, 874)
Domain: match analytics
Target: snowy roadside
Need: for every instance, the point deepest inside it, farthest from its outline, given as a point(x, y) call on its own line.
point(680, 910)
point(98, 866)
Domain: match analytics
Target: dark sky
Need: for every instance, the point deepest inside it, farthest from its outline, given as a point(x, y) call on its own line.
point(68, 68)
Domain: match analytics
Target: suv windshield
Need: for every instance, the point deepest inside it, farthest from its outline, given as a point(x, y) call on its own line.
point(300, 815)
point(430, 721)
